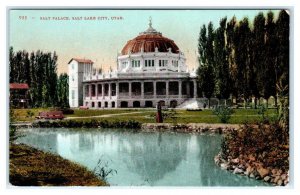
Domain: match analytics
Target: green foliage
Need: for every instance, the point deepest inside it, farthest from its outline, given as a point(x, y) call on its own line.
point(205, 72)
point(262, 142)
point(171, 114)
point(222, 82)
point(102, 169)
point(12, 129)
point(130, 124)
point(244, 60)
point(39, 71)
point(262, 111)
point(29, 114)
point(224, 113)
point(63, 91)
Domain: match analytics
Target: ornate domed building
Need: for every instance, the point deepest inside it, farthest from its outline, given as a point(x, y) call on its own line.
point(151, 69)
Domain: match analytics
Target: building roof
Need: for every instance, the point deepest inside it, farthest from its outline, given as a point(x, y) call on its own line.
point(86, 61)
point(18, 86)
point(147, 41)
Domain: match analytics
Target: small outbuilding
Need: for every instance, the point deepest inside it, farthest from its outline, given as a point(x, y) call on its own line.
point(19, 95)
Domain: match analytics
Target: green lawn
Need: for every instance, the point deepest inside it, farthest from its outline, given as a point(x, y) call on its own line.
point(148, 115)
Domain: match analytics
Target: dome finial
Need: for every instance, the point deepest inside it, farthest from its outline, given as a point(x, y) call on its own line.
point(150, 22)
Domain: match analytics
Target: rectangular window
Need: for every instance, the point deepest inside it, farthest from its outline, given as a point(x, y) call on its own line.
point(146, 63)
point(73, 94)
point(152, 63)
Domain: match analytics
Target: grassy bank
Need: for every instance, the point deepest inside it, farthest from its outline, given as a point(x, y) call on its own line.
point(148, 115)
point(31, 167)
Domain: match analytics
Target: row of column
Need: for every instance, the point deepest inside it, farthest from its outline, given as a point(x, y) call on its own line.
point(142, 89)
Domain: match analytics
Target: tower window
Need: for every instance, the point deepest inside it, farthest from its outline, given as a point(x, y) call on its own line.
point(163, 63)
point(135, 63)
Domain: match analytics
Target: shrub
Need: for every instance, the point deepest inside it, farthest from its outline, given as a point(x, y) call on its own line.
point(131, 124)
point(223, 113)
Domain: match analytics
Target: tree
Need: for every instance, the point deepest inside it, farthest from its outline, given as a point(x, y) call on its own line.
point(39, 71)
point(282, 71)
point(205, 71)
point(231, 50)
point(269, 84)
point(63, 91)
point(258, 54)
point(222, 84)
point(202, 44)
point(282, 64)
point(242, 41)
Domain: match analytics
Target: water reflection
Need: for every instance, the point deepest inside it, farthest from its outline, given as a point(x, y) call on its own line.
point(153, 155)
point(165, 159)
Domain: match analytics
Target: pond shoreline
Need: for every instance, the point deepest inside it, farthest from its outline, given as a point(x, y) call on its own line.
point(144, 127)
point(248, 166)
point(189, 127)
point(31, 167)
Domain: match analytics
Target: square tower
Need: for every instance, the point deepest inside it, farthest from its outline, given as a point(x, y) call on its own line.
point(77, 67)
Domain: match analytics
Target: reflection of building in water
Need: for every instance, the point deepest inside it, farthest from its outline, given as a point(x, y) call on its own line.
point(153, 155)
point(81, 142)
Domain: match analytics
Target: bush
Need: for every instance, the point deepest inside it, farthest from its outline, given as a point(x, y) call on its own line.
point(260, 141)
point(131, 124)
point(223, 113)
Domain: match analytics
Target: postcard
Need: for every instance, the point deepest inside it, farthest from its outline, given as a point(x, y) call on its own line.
point(149, 97)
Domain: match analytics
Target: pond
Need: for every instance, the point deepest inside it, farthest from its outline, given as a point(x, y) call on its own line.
point(141, 159)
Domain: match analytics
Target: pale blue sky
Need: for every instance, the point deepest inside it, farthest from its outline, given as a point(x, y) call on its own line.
point(100, 40)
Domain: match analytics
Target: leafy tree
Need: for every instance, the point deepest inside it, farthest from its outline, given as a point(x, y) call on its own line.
point(205, 71)
point(242, 43)
point(269, 87)
point(202, 44)
point(258, 54)
point(63, 90)
point(39, 71)
point(222, 84)
point(231, 48)
point(282, 34)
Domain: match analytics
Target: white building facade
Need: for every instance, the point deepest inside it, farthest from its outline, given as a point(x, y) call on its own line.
point(150, 70)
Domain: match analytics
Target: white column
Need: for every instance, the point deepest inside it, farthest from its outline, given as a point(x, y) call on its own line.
point(142, 89)
point(102, 87)
point(117, 90)
point(195, 89)
point(180, 89)
point(109, 90)
point(129, 88)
